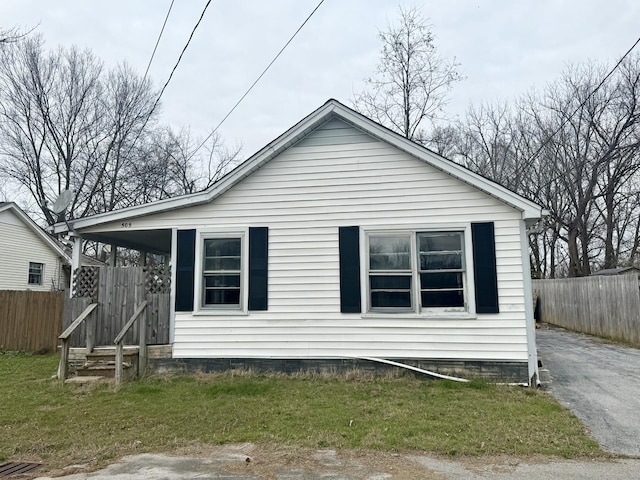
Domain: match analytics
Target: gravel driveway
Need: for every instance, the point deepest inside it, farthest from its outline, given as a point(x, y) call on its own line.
point(600, 383)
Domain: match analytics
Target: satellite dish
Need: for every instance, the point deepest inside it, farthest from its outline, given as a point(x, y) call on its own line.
point(62, 202)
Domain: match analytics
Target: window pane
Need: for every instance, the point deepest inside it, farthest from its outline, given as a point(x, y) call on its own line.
point(222, 297)
point(438, 242)
point(443, 298)
point(389, 253)
point(440, 261)
point(35, 273)
point(441, 280)
point(222, 281)
point(383, 299)
point(222, 247)
point(393, 282)
point(222, 263)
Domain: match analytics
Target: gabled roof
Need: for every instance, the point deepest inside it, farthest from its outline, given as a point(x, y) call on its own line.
point(331, 109)
point(46, 238)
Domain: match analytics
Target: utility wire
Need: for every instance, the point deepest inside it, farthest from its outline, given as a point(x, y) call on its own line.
point(164, 87)
point(255, 82)
point(529, 162)
point(184, 49)
point(155, 48)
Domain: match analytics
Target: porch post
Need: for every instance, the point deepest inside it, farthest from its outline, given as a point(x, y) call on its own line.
point(112, 255)
point(172, 296)
point(76, 255)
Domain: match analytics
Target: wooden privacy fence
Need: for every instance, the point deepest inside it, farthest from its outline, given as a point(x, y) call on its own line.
point(30, 321)
point(606, 306)
point(118, 290)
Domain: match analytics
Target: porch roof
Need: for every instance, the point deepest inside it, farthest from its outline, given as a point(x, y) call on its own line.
point(152, 241)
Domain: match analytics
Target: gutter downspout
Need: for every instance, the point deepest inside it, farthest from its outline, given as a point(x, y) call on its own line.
point(532, 353)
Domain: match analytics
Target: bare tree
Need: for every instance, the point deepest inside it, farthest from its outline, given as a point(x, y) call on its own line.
point(412, 82)
point(11, 35)
point(574, 148)
point(67, 124)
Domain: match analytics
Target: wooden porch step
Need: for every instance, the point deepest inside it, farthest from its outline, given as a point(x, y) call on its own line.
point(102, 356)
point(107, 370)
point(103, 370)
point(85, 380)
point(102, 363)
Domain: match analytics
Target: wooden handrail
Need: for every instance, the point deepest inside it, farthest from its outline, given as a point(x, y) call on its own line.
point(129, 324)
point(142, 355)
point(76, 323)
point(63, 368)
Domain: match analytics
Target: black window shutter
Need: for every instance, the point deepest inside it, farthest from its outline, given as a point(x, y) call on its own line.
point(349, 245)
point(484, 267)
point(258, 267)
point(184, 271)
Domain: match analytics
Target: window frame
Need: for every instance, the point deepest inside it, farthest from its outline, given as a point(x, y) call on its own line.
point(199, 307)
point(417, 310)
point(41, 274)
point(462, 270)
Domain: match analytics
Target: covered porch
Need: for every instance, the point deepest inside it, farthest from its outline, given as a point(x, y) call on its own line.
point(128, 306)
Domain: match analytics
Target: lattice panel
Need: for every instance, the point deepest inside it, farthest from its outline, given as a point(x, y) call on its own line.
point(85, 282)
point(157, 279)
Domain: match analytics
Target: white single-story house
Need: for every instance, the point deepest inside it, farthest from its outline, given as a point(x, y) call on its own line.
point(29, 258)
point(343, 240)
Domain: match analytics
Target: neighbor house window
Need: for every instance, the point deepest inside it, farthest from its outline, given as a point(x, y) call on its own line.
point(416, 271)
point(222, 272)
point(36, 273)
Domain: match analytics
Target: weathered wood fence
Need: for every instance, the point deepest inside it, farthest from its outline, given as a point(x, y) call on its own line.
point(30, 321)
point(606, 306)
point(118, 290)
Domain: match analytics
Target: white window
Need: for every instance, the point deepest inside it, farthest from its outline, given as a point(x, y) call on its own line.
point(441, 269)
point(390, 272)
point(36, 273)
point(417, 271)
point(222, 272)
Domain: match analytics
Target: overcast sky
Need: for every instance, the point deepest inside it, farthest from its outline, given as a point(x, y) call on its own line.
point(505, 47)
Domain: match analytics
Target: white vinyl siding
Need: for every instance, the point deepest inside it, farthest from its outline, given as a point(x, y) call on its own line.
point(303, 196)
point(20, 245)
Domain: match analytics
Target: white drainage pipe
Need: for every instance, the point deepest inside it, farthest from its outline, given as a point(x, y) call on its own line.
point(415, 369)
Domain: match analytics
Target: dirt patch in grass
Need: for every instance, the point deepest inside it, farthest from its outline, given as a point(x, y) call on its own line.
point(60, 425)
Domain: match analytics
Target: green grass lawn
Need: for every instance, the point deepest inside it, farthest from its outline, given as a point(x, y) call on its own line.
point(43, 420)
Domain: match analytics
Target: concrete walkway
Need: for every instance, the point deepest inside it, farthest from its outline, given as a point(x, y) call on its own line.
point(230, 463)
point(599, 382)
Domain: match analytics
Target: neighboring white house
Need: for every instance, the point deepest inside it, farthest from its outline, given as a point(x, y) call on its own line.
point(342, 240)
point(29, 258)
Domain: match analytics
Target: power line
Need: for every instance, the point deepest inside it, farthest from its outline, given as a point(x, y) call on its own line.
point(164, 87)
point(529, 162)
point(256, 81)
point(184, 49)
point(153, 54)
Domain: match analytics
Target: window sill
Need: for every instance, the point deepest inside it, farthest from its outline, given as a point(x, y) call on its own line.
point(213, 312)
point(423, 315)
